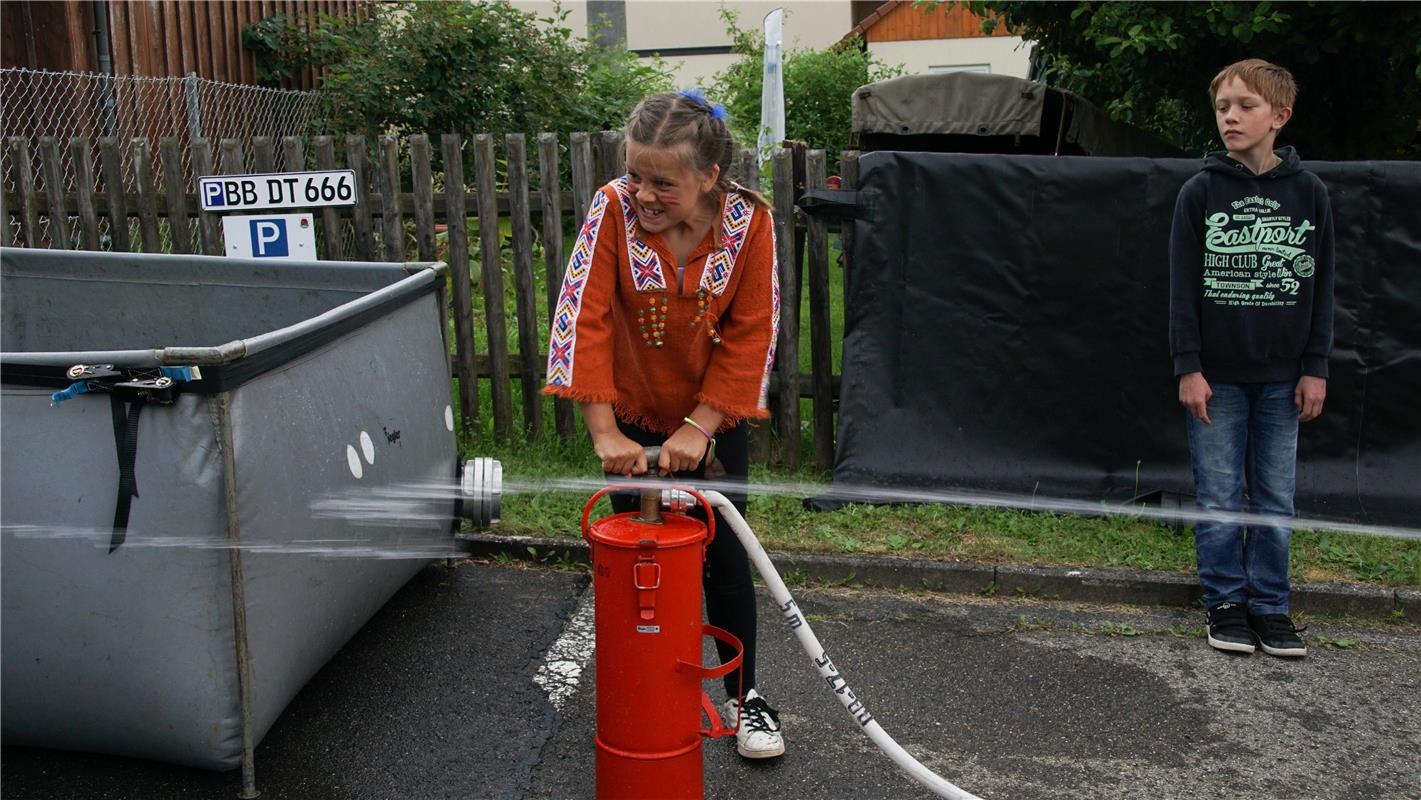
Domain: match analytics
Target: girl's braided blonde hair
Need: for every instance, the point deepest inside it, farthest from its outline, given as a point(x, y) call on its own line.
point(672, 119)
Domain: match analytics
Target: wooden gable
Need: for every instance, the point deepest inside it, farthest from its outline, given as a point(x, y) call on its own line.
point(898, 21)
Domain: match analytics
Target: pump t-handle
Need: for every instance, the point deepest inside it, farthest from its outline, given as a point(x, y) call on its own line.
point(651, 498)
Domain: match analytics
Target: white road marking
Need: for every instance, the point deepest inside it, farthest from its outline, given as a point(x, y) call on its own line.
point(563, 663)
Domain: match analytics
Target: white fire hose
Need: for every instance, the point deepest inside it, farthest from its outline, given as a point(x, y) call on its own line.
point(915, 769)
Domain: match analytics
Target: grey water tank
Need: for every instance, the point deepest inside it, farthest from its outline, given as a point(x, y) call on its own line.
point(169, 583)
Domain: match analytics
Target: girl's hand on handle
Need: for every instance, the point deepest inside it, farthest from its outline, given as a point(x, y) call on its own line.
point(684, 451)
point(1194, 394)
point(620, 455)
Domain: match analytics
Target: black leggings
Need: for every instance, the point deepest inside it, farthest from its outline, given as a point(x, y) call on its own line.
point(730, 594)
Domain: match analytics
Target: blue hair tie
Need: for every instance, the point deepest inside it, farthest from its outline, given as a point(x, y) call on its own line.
point(716, 109)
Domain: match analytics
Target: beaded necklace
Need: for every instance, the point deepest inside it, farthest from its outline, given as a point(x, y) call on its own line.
point(649, 279)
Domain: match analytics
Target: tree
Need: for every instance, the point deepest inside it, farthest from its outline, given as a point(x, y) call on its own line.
point(457, 67)
point(1358, 65)
point(819, 87)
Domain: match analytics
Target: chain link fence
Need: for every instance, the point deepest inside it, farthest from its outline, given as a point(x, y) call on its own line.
point(64, 105)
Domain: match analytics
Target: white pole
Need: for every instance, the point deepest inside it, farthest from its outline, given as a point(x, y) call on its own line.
point(772, 88)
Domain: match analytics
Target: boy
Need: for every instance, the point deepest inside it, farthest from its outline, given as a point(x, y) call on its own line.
point(1250, 331)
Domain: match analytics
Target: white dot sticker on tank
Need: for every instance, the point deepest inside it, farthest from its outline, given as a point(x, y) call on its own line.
point(353, 459)
point(449, 418)
point(367, 447)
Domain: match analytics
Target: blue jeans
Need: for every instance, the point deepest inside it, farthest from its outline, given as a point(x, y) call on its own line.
point(1245, 462)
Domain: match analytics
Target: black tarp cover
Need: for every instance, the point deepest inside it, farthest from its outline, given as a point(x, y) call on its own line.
point(1007, 327)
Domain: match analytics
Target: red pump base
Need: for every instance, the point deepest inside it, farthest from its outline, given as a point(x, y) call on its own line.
point(647, 588)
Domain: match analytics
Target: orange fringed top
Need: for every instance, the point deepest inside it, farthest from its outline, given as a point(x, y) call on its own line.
point(627, 332)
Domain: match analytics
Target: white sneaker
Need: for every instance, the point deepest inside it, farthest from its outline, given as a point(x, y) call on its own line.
point(760, 734)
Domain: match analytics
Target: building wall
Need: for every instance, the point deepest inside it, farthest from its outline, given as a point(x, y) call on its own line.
point(808, 23)
point(671, 26)
point(698, 71)
point(48, 35)
point(152, 39)
point(906, 21)
point(691, 37)
point(999, 55)
point(576, 19)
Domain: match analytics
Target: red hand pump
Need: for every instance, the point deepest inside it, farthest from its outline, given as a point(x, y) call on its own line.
point(646, 579)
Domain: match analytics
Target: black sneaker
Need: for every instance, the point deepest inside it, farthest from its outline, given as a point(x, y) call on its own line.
point(1277, 635)
point(1228, 628)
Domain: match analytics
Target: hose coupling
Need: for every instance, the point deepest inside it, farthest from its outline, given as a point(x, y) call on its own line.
point(481, 492)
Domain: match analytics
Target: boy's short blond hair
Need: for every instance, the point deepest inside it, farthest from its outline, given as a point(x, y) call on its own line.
point(1273, 82)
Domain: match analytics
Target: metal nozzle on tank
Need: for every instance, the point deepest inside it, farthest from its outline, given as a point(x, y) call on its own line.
point(654, 501)
point(481, 492)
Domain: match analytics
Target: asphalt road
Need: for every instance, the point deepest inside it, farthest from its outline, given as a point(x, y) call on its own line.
point(451, 692)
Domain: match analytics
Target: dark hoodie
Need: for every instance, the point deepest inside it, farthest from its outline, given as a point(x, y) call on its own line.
point(1250, 273)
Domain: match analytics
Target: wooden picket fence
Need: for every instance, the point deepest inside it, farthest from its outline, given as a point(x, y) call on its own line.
point(374, 229)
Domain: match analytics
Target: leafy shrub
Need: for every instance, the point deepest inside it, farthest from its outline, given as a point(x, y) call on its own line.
point(455, 67)
point(819, 87)
point(1358, 65)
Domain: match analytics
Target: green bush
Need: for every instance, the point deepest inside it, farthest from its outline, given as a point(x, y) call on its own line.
point(1358, 65)
point(819, 87)
point(456, 68)
point(282, 48)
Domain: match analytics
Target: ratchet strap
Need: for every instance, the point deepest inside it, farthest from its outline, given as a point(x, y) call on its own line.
point(129, 391)
point(125, 438)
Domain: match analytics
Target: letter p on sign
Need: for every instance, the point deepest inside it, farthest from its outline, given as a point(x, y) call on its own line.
point(214, 194)
point(289, 236)
point(269, 238)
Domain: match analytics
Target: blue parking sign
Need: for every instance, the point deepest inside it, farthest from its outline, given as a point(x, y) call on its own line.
point(269, 238)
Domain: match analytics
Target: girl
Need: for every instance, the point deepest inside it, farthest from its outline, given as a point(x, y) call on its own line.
point(665, 334)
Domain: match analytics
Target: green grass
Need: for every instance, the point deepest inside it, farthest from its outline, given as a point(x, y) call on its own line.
point(928, 531)
point(1350, 557)
point(984, 534)
point(925, 531)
